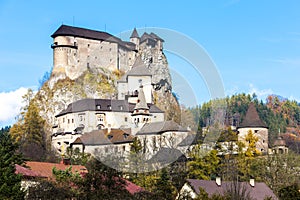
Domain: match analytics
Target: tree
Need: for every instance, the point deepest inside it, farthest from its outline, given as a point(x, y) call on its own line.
point(291, 192)
point(203, 166)
point(103, 181)
point(163, 186)
point(29, 131)
point(10, 183)
point(251, 140)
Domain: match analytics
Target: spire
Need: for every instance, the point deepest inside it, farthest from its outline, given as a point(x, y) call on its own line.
point(252, 118)
point(134, 34)
point(141, 102)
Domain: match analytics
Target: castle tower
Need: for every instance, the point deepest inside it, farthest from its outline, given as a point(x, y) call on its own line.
point(259, 129)
point(134, 38)
point(141, 114)
point(129, 84)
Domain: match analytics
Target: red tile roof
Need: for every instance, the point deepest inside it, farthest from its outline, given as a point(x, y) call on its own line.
point(133, 188)
point(27, 172)
point(44, 169)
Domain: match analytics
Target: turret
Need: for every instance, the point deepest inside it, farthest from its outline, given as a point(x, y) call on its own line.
point(141, 114)
point(134, 38)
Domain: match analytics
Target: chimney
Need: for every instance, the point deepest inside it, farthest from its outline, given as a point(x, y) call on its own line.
point(109, 128)
point(218, 181)
point(252, 182)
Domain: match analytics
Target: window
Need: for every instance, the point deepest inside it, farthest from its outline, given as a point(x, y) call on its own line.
point(126, 119)
point(255, 131)
point(125, 135)
point(68, 121)
point(124, 148)
point(109, 107)
point(109, 137)
point(88, 64)
point(121, 107)
point(98, 107)
point(63, 120)
point(88, 45)
point(100, 118)
point(109, 49)
point(263, 141)
point(81, 118)
point(72, 121)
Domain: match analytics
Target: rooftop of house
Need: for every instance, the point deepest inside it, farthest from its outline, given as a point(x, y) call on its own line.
point(160, 127)
point(105, 137)
point(109, 105)
point(259, 191)
point(65, 30)
point(44, 169)
point(167, 156)
point(252, 118)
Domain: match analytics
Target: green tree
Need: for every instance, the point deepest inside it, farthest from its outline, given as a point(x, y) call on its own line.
point(10, 183)
point(76, 157)
point(163, 186)
point(291, 192)
point(203, 166)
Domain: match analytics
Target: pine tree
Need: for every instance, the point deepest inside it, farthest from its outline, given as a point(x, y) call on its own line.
point(10, 183)
point(163, 186)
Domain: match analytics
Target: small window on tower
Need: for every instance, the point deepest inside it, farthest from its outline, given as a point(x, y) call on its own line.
point(88, 45)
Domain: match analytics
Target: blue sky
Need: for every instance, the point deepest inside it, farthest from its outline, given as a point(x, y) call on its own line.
point(254, 44)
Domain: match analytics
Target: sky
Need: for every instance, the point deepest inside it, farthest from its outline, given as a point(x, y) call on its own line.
point(254, 45)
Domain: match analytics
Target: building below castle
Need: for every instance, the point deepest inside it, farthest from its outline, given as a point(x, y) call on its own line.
point(105, 126)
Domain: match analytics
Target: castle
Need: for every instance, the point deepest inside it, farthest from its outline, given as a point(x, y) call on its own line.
point(99, 126)
point(77, 49)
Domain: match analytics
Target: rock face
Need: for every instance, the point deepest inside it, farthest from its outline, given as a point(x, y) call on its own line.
point(87, 67)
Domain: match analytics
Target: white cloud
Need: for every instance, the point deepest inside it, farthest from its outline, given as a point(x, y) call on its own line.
point(260, 93)
point(10, 105)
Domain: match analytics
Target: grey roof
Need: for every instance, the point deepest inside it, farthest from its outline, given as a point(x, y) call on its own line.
point(104, 137)
point(96, 137)
point(191, 139)
point(167, 155)
point(65, 30)
point(108, 105)
point(153, 35)
point(160, 127)
point(258, 192)
point(146, 36)
point(134, 34)
point(139, 69)
point(141, 101)
point(252, 118)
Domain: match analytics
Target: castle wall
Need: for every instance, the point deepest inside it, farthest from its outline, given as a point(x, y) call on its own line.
point(74, 55)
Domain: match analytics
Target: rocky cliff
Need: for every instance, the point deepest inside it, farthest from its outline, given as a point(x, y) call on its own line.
point(58, 92)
